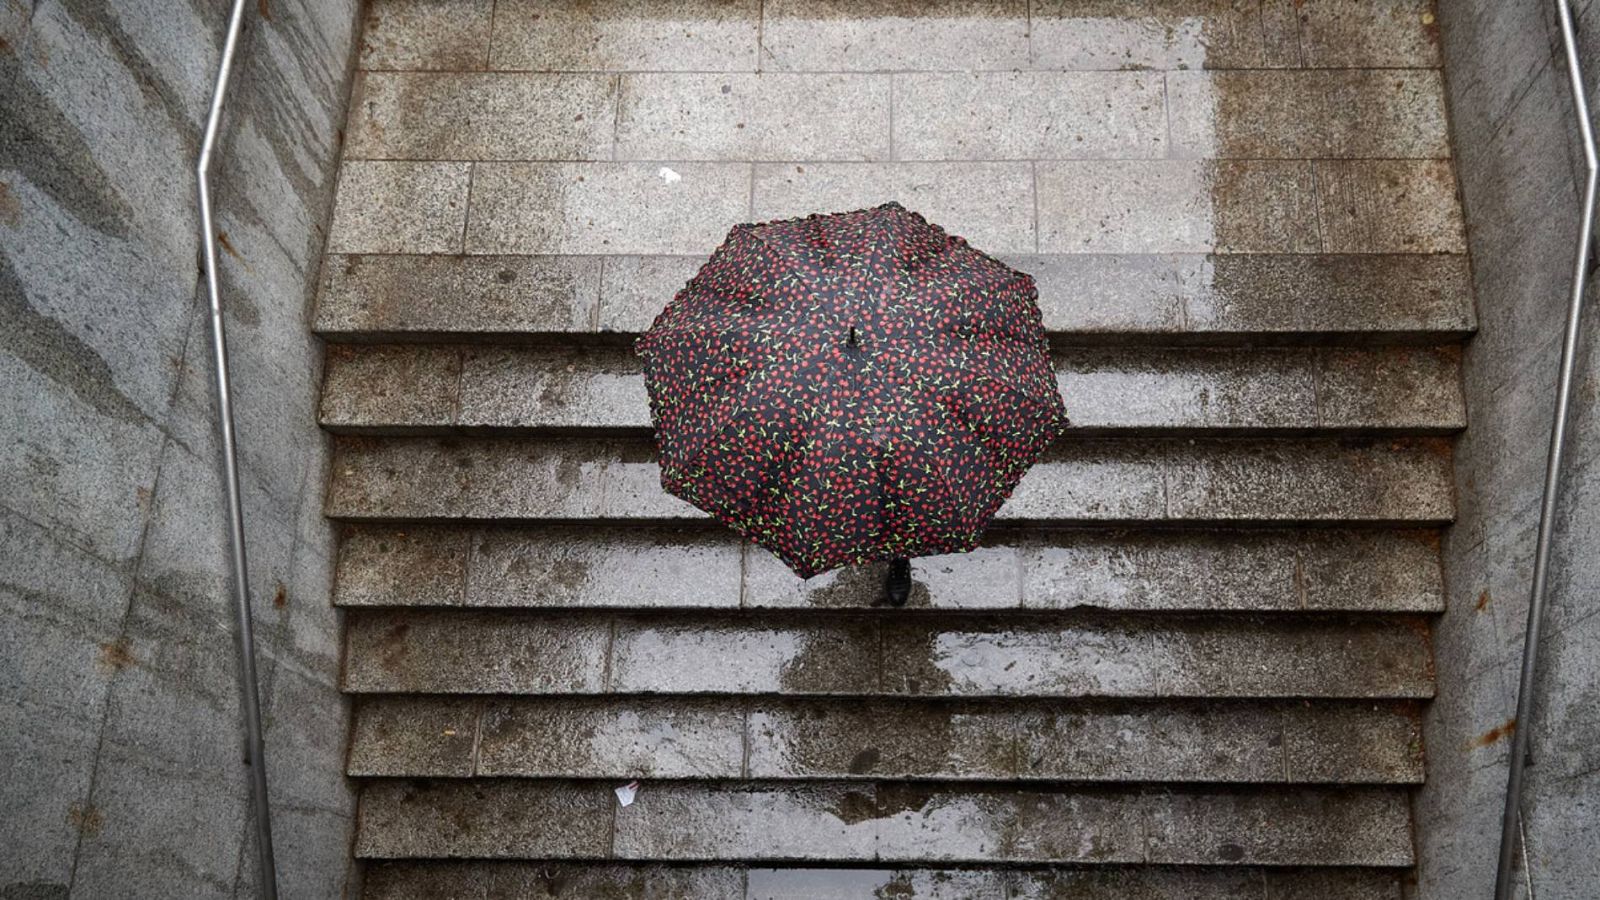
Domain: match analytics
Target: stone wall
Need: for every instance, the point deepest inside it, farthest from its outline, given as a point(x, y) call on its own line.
point(120, 733)
point(1521, 174)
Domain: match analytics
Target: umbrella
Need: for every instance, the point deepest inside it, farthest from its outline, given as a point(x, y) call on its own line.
point(851, 387)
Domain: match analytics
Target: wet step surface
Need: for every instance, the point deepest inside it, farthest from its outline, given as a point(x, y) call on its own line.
point(550, 879)
point(625, 738)
point(1400, 480)
point(1190, 658)
point(606, 565)
point(885, 822)
point(1171, 297)
point(428, 388)
point(854, 654)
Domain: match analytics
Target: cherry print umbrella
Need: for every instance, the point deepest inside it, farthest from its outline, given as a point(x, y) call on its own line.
point(851, 387)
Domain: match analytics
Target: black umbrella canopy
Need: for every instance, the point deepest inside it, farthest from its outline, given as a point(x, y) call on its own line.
point(850, 387)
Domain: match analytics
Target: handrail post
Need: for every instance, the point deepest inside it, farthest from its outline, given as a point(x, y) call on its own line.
point(1510, 824)
point(249, 686)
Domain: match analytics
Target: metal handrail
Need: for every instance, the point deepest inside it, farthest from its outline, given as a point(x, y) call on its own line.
point(1510, 825)
point(255, 755)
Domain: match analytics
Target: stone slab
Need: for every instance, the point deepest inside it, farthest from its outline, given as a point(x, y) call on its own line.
point(616, 568)
point(894, 35)
point(1389, 206)
point(1308, 114)
point(1187, 34)
point(488, 116)
point(672, 655)
point(379, 295)
point(413, 736)
point(605, 208)
point(425, 34)
point(1355, 33)
point(1214, 658)
point(638, 35)
point(435, 652)
point(990, 204)
point(1177, 206)
point(400, 819)
point(1029, 115)
point(399, 207)
point(639, 739)
point(753, 116)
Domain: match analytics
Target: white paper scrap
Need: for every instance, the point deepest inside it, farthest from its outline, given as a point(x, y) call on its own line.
point(625, 794)
point(668, 175)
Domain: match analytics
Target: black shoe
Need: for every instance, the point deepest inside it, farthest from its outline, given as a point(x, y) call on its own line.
point(897, 588)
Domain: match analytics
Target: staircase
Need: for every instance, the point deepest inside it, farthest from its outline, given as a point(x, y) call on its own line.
point(1189, 660)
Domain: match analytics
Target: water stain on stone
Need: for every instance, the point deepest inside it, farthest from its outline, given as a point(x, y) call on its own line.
point(1494, 735)
point(118, 654)
point(838, 659)
point(50, 153)
point(10, 206)
point(88, 820)
point(46, 346)
point(855, 807)
point(393, 646)
point(1230, 852)
point(863, 762)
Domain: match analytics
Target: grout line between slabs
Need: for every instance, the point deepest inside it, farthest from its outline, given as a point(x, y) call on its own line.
point(617, 86)
point(477, 736)
point(892, 156)
point(761, 39)
point(488, 50)
point(1033, 172)
point(466, 213)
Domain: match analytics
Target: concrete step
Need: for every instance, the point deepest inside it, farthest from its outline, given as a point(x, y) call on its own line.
point(812, 35)
point(1403, 480)
point(856, 654)
point(542, 116)
point(421, 389)
point(1058, 206)
point(767, 738)
point(1085, 297)
point(551, 879)
point(883, 822)
point(607, 566)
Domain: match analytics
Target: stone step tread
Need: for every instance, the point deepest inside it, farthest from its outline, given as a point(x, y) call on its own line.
point(551, 879)
point(535, 116)
point(417, 388)
point(600, 566)
point(1400, 480)
point(1206, 206)
point(883, 822)
point(717, 738)
point(951, 655)
point(1094, 297)
point(811, 35)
